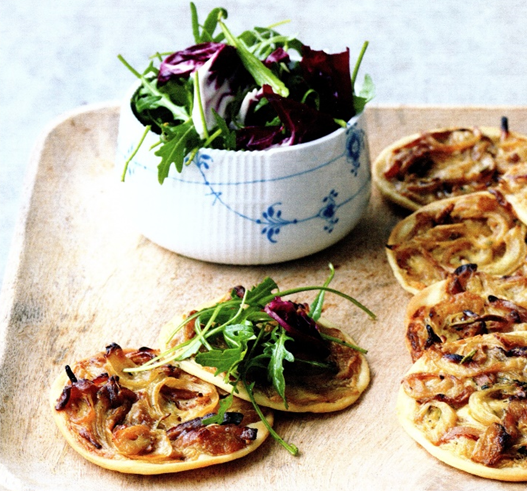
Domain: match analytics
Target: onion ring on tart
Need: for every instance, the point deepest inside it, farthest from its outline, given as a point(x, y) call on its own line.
point(468, 303)
point(479, 228)
point(513, 185)
point(148, 422)
point(465, 402)
point(307, 389)
point(442, 163)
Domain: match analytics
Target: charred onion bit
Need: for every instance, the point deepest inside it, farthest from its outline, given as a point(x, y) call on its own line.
point(80, 389)
point(461, 276)
point(492, 445)
point(504, 126)
point(229, 419)
point(432, 337)
point(217, 439)
point(294, 318)
point(70, 374)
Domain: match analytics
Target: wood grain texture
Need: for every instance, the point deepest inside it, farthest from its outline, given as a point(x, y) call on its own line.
point(79, 277)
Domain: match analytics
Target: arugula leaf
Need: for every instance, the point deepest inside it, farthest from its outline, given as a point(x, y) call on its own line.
point(223, 360)
point(366, 94)
point(209, 26)
point(292, 449)
point(262, 41)
point(315, 310)
point(278, 354)
point(237, 337)
point(176, 148)
point(261, 74)
point(228, 136)
point(224, 406)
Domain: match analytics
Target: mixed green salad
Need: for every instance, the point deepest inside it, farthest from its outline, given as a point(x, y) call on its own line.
point(254, 91)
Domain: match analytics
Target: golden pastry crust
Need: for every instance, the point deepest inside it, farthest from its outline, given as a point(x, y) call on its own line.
point(442, 163)
point(431, 243)
point(148, 422)
point(306, 391)
point(465, 402)
point(468, 303)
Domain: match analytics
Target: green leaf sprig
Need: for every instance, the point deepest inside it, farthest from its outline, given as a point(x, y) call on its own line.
point(239, 339)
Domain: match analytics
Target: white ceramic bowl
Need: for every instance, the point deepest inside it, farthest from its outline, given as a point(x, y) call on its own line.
point(248, 208)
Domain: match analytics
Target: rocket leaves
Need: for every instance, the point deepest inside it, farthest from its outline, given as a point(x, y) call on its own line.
point(254, 337)
point(251, 96)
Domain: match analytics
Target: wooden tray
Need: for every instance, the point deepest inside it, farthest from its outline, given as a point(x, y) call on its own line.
point(80, 278)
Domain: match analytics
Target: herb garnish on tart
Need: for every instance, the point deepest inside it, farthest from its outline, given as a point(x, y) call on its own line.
point(270, 351)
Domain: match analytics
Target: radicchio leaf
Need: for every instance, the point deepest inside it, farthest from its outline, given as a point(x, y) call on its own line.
point(279, 55)
point(183, 63)
point(329, 75)
point(258, 137)
point(220, 77)
point(295, 320)
point(303, 123)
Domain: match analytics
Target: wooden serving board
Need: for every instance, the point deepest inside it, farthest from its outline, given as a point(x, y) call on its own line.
point(79, 277)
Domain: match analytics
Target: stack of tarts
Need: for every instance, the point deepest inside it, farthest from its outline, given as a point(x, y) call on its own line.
point(208, 395)
point(461, 253)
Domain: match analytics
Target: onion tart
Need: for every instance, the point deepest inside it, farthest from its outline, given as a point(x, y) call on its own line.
point(149, 422)
point(465, 402)
point(422, 168)
point(273, 351)
point(468, 303)
point(479, 228)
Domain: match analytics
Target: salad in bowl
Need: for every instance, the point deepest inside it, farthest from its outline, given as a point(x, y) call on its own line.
point(258, 114)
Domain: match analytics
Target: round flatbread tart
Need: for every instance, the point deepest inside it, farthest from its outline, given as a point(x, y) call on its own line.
point(468, 303)
point(150, 421)
point(335, 379)
point(479, 228)
point(442, 163)
point(465, 402)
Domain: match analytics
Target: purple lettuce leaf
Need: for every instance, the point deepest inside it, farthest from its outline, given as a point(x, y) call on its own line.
point(258, 137)
point(294, 318)
point(183, 63)
point(329, 75)
point(279, 55)
point(302, 122)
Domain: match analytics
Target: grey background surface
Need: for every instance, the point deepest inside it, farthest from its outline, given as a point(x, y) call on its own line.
point(56, 56)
